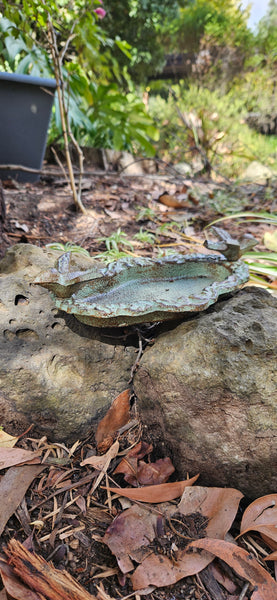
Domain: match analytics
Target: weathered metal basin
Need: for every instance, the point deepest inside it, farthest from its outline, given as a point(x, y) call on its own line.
point(136, 290)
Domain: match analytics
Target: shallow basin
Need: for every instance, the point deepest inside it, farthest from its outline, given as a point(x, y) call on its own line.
point(136, 290)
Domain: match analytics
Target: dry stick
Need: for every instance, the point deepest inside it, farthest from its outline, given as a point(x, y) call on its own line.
point(60, 90)
point(59, 163)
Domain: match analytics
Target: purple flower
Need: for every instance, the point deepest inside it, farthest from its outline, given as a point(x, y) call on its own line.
point(100, 12)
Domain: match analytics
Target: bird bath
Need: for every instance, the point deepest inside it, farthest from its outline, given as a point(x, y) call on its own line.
point(136, 290)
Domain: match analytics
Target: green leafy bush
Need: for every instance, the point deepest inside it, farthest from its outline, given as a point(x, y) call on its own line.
point(100, 113)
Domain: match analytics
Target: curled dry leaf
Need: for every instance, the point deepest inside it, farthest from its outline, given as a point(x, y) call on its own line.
point(101, 463)
point(138, 472)
point(177, 201)
point(261, 516)
point(219, 505)
point(153, 494)
point(117, 416)
point(244, 564)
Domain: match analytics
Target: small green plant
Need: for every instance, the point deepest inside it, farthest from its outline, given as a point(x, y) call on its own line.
point(170, 226)
point(111, 255)
point(146, 214)
point(116, 241)
point(68, 247)
point(145, 236)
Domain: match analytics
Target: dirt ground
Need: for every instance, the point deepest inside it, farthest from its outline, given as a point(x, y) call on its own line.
point(42, 213)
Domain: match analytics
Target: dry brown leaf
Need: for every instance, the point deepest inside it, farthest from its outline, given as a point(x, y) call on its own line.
point(261, 516)
point(116, 417)
point(101, 463)
point(13, 485)
point(256, 510)
point(220, 505)
point(130, 531)
point(6, 440)
point(138, 472)
point(164, 492)
point(177, 201)
point(16, 456)
point(244, 564)
point(272, 556)
point(160, 571)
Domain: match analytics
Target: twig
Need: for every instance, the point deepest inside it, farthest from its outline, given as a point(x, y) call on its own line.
point(57, 61)
point(59, 163)
point(243, 591)
point(19, 168)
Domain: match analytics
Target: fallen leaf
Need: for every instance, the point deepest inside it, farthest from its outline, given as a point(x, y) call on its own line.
point(261, 516)
point(101, 463)
point(160, 571)
point(244, 564)
point(155, 493)
point(130, 531)
point(219, 505)
point(117, 416)
point(272, 556)
point(138, 472)
point(13, 486)
point(177, 201)
point(6, 440)
point(15, 456)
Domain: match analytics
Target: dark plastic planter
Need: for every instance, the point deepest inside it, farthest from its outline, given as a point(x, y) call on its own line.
point(25, 109)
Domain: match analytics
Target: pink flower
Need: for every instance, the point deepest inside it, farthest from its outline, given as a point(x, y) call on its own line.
point(100, 12)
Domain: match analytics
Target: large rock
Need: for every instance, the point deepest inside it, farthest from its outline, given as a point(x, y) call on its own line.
point(208, 389)
point(54, 371)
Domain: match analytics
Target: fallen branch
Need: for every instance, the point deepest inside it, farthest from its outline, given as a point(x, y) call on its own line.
point(22, 566)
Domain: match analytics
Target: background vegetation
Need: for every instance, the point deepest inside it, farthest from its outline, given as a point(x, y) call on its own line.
point(214, 115)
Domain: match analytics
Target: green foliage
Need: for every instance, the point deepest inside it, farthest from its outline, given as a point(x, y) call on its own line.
point(118, 121)
point(222, 22)
point(68, 247)
point(116, 241)
point(144, 25)
point(145, 236)
point(146, 214)
point(215, 125)
point(100, 114)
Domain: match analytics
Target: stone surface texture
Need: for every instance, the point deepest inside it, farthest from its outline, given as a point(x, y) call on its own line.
point(208, 388)
point(54, 372)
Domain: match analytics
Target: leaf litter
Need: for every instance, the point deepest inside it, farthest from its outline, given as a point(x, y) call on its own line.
point(70, 528)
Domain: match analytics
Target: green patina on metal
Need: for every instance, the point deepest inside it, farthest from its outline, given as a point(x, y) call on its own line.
point(136, 290)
